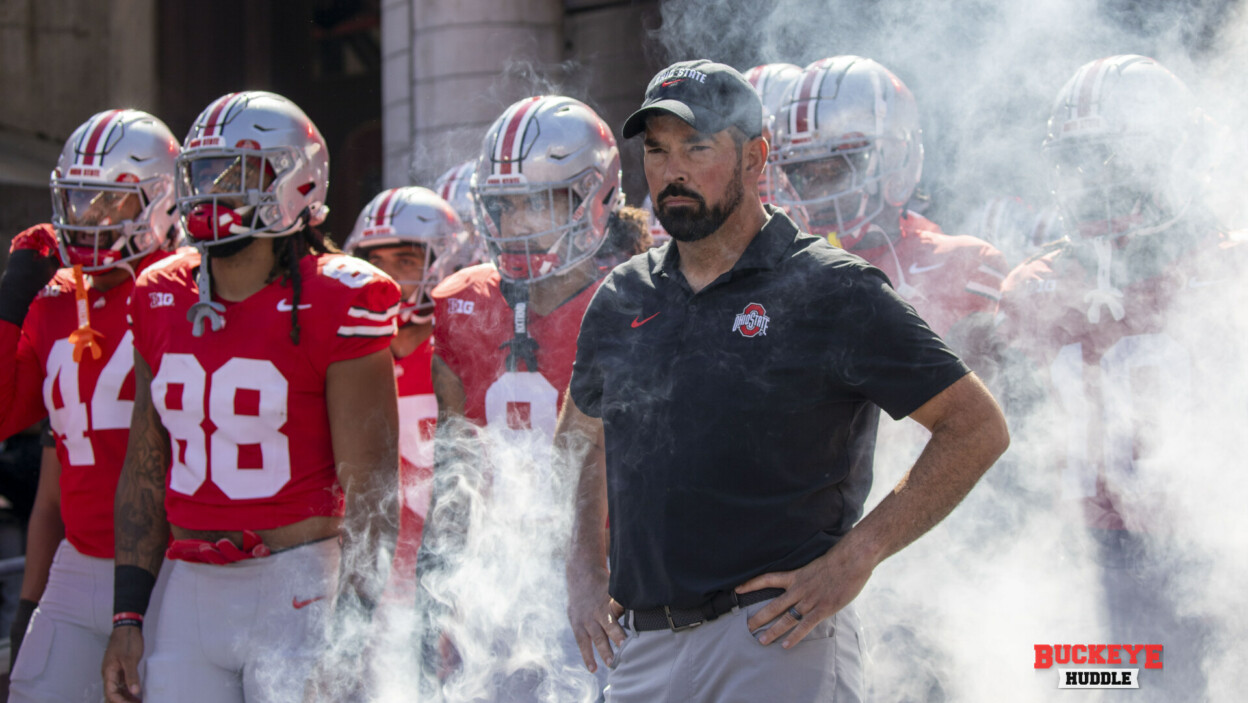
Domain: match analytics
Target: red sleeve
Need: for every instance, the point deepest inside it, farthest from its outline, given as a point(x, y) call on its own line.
point(369, 320)
point(21, 379)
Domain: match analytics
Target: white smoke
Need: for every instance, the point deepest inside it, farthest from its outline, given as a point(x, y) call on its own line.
point(955, 616)
point(498, 598)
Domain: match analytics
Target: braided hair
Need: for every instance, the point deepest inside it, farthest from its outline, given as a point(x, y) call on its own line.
point(628, 234)
point(308, 240)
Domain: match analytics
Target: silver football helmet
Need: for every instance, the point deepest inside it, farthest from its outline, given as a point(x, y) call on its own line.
point(849, 140)
point(112, 190)
point(555, 158)
point(773, 81)
point(455, 187)
point(253, 164)
point(1118, 143)
point(414, 216)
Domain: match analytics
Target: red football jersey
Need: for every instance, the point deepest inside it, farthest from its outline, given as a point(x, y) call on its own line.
point(473, 322)
point(418, 417)
point(244, 407)
point(88, 402)
point(945, 277)
point(1126, 392)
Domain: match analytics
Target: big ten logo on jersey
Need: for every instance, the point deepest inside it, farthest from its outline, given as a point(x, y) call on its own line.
point(350, 271)
point(245, 400)
point(1040, 286)
point(75, 407)
point(456, 306)
point(161, 300)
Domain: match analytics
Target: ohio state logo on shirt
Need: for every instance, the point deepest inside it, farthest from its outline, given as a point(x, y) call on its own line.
point(751, 321)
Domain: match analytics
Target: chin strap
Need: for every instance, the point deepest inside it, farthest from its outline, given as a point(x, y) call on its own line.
point(1104, 293)
point(521, 347)
point(84, 337)
point(205, 308)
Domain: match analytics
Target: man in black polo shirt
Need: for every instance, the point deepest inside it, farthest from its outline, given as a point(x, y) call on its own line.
point(731, 380)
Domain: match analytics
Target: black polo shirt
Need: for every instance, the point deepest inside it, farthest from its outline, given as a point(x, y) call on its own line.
point(740, 420)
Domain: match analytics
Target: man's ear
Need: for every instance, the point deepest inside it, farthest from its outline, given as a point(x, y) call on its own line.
point(755, 152)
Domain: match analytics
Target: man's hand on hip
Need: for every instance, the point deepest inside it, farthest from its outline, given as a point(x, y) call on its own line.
point(812, 593)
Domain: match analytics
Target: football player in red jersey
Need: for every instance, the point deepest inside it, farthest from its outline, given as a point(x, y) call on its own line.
point(66, 351)
point(552, 216)
point(263, 436)
point(412, 235)
point(1128, 327)
point(848, 138)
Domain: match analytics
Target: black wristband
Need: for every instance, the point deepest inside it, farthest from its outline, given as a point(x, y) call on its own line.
point(132, 589)
point(26, 275)
point(17, 631)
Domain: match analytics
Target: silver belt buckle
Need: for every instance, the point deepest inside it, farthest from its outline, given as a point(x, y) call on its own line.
point(668, 612)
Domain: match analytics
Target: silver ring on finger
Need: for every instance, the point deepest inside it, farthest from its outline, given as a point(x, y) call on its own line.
point(610, 618)
point(794, 614)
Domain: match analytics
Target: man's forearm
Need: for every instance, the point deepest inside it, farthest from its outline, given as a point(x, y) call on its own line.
point(580, 457)
point(140, 527)
point(965, 442)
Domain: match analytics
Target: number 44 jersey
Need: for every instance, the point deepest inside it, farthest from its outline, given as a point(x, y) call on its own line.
point(245, 407)
point(88, 402)
point(1140, 373)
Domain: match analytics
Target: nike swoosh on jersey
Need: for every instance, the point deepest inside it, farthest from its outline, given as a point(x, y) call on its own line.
point(916, 269)
point(284, 306)
point(301, 604)
point(637, 322)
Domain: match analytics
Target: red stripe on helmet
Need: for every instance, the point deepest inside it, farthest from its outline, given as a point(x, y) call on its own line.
point(1088, 87)
point(755, 76)
point(88, 154)
point(379, 218)
point(213, 116)
point(509, 135)
point(801, 119)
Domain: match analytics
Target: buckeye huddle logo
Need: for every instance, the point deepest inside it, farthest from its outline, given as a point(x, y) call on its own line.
point(1098, 654)
point(751, 321)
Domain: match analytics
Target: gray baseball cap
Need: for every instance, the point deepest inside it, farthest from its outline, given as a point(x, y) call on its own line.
point(708, 96)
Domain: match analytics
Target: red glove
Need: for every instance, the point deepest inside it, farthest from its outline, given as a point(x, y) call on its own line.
point(33, 260)
point(41, 239)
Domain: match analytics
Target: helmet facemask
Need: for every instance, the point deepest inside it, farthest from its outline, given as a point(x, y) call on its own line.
point(228, 194)
point(102, 225)
point(837, 193)
point(556, 219)
point(1115, 187)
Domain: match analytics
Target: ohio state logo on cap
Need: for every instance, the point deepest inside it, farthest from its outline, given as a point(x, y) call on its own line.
point(751, 321)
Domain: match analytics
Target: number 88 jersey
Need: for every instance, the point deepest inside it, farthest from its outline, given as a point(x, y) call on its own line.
point(245, 407)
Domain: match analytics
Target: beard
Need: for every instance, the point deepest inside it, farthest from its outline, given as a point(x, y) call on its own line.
point(686, 224)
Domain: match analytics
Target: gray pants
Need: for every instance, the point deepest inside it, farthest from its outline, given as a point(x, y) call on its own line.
point(249, 631)
point(64, 646)
point(722, 662)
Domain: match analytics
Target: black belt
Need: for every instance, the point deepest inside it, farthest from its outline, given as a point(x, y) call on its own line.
point(677, 619)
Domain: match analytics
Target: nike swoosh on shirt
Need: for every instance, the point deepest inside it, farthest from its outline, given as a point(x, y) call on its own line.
point(284, 306)
point(916, 269)
point(637, 322)
point(300, 604)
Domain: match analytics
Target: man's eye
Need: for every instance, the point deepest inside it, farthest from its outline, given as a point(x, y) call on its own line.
point(537, 203)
